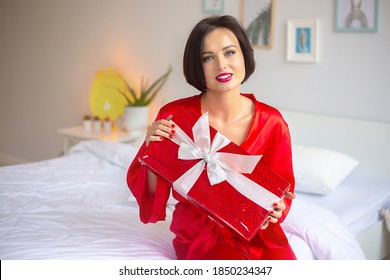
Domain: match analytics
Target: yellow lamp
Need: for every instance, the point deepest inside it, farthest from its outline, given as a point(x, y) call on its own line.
point(107, 95)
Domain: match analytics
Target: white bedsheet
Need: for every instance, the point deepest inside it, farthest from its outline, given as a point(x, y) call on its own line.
point(76, 207)
point(79, 207)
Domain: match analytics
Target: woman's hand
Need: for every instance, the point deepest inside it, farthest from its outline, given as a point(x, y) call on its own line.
point(276, 212)
point(159, 130)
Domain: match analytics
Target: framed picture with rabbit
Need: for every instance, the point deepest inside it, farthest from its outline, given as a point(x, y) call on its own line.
point(356, 15)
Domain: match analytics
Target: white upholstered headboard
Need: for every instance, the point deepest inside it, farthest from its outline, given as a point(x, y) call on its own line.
point(367, 141)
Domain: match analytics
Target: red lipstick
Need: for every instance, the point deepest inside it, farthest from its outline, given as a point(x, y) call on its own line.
point(224, 77)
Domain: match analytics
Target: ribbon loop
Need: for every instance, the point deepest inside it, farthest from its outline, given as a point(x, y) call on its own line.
point(201, 133)
point(188, 152)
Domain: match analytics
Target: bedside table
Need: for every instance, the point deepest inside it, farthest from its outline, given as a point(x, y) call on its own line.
point(75, 134)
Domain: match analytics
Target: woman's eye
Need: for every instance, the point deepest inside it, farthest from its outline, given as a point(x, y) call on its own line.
point(207, 58)
point(230, 53)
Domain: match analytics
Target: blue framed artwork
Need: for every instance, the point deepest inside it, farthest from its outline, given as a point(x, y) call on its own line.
point(302, 40)
point(356, 15)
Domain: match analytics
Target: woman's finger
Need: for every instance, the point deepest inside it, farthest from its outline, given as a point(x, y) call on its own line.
point(290, 195)
point(159, 130)
point(275, 214)
point(264, 225)
point(272, 219)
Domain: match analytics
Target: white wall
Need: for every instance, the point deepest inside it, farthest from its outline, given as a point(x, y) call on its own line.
point(51, 49)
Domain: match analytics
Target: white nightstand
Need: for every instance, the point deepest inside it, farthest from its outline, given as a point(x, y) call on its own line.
point(73, 135)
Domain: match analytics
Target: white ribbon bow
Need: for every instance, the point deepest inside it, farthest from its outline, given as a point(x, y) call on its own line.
point(220, 166)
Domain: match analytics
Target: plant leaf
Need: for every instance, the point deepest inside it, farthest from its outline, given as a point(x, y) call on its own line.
point(147, 95)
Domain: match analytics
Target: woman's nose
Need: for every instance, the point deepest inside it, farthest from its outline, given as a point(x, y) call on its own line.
point(221, 64)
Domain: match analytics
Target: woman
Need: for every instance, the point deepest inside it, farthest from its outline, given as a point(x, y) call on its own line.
point(218, 58)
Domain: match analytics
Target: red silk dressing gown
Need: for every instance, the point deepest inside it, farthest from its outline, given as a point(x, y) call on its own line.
point(198, 236)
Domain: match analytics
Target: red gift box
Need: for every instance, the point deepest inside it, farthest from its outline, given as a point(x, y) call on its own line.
point(235, 188)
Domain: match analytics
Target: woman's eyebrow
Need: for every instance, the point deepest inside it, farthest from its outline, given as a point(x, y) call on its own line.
point(224, 48)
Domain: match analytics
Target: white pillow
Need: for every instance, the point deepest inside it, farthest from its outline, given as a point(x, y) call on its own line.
point(318, 170)
point(117, 153)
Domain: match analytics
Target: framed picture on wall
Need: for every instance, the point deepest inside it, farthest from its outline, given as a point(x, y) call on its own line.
point(302, 40)
point(356, 15)
point(213, 7)
point(257, 19)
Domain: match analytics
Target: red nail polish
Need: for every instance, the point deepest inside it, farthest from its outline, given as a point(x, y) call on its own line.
point(161, 138)
point(269, 218)
point(275, 204)
point(271, 212)
point(170, 136)
point(173, 131)
point(173, 125)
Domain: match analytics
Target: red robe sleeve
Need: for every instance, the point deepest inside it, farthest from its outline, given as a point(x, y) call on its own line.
point(270, 137)
point(151, 207)
point(278, 157)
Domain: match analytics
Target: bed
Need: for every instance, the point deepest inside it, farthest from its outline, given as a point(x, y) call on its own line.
point(360, 199)
point(78, 206)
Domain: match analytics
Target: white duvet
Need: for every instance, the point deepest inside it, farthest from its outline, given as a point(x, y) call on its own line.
point(79, 207)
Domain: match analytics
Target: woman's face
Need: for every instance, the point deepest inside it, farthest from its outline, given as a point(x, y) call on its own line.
point(223, 61)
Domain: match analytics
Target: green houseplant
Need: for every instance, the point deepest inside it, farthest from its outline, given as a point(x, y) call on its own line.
point(112, 95)
point(146, 94)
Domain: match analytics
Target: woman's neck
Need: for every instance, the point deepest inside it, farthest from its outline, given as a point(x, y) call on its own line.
point(230, 114)
point(222, 105)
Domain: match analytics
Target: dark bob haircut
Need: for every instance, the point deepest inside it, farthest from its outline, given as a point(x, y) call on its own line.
point(192, 60)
